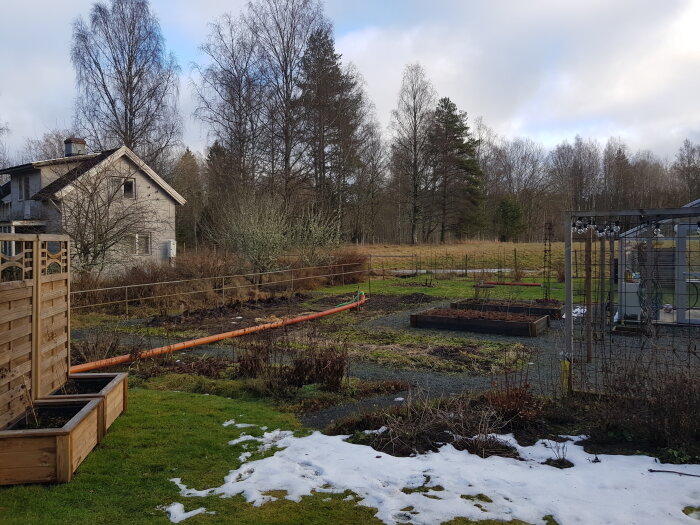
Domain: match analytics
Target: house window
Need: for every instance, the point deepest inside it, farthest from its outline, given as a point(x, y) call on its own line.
point(125, 188)
point(24, 193)
point(138, 244)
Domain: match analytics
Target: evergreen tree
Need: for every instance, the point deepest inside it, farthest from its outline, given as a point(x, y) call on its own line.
point(510, 219)
point(456, 174)
point(187, 180)
point(332, 106)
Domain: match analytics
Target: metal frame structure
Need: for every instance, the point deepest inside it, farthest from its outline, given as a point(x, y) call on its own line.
point(607, 312)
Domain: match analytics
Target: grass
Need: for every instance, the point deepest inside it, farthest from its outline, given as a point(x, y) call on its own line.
point(451, 287)
point(305, 399)
point(165, 435)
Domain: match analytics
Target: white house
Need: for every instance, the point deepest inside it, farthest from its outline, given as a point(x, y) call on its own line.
point(40, 195)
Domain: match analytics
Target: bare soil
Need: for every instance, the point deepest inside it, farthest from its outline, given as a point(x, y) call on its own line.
point(46, 417)
point(480, 314)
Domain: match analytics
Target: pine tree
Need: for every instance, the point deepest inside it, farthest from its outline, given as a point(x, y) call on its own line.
point(332, 106)
point(456, 174)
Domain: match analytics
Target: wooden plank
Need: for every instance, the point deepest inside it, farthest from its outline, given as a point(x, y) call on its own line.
point(53, 310)
point(15, 333)
point(56, 293)
point(53, 277)
point(16, 313)
point(64, 468)
point(14, 290)
point(84, 439)
point(19, 352)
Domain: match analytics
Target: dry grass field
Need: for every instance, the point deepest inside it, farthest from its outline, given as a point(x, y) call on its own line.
point(479, 254)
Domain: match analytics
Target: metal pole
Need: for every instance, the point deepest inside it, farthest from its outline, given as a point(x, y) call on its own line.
point(568, 304)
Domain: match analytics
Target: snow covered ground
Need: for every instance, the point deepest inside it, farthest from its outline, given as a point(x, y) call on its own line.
point(613, 490)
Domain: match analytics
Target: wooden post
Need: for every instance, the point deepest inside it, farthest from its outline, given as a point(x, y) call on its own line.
point(126, 300)
point(369, 275)
point(36, 316)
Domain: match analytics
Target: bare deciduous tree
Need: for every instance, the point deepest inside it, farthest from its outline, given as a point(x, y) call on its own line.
point(103, 220)
point(128, 83)
point(4, 160)
point(230, 95)
point(282, 29)
point(49, 146)
point(411, 122)
point(254, 229)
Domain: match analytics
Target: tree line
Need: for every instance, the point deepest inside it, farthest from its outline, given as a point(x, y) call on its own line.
point(295, 143)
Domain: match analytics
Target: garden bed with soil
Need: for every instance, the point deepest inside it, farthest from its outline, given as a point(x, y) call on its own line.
point(505, 323)
point(50, 441)
point(112, 388)
point(538, 307)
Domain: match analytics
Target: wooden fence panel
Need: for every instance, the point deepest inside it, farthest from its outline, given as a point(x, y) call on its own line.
point(52, 316)
point(34, 320)
point(16, 327)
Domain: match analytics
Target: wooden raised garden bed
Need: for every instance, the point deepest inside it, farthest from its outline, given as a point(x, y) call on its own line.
point(112, 388)
point(49, 442)
point(553, 308)
point(489, 322)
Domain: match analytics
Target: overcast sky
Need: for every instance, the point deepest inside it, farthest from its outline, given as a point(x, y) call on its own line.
point(546, 69)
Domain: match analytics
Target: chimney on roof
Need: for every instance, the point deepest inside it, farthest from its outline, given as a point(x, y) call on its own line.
point(75, 146)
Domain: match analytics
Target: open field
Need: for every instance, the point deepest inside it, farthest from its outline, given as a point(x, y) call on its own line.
point(479, 254)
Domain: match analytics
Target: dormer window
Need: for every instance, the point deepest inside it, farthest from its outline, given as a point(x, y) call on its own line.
point(24, 193)
point(125, 188)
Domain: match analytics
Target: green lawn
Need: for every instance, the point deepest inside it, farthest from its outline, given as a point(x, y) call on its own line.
point(451, 287)
point(161, 436)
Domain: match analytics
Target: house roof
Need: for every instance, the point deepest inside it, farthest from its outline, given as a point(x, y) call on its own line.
point(87, 163)
point(49, 191)
point(30, 166)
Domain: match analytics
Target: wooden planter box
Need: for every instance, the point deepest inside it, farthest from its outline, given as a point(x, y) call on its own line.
point(516, 307)
point(50, 454)
point(433, 319)
point(112, 388)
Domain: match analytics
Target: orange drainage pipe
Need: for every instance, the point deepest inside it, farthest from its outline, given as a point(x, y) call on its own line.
point(121, 359)
point(504, 283)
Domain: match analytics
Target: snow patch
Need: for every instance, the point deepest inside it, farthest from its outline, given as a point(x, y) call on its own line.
point(176, 512)
point(228, 423)
point(615, 490)
point(380, 430)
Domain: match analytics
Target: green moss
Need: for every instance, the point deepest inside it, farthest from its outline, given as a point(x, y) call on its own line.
point(477, 497)
point(549, 520)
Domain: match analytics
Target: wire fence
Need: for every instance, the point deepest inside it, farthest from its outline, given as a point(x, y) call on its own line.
point(217, 289)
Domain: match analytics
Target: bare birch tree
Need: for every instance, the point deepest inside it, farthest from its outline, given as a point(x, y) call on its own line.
point(282, 29)
point(230, 95)
point(128, 83)
point(104, 219)
point(410, 148)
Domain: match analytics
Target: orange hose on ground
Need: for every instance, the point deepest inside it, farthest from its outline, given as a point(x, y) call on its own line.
point(503, 283)
point(121, 359)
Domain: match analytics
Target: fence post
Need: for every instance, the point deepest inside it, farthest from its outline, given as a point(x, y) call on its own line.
point(369, 275)
point(223, 291)
point(126, 300)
